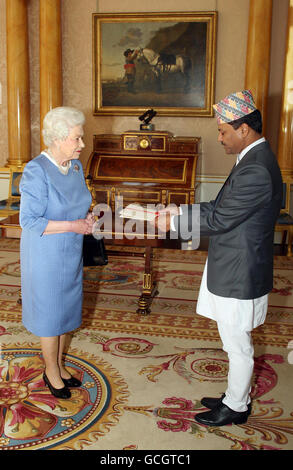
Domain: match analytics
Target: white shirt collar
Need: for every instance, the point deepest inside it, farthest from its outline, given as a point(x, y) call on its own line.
point(249, 147)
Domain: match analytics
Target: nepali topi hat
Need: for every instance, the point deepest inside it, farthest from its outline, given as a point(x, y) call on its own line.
point(234, 106)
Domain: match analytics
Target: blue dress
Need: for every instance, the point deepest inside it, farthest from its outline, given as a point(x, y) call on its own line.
point(51, 265)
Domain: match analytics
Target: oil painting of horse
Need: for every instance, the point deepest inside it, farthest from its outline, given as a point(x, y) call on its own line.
point(164, 61)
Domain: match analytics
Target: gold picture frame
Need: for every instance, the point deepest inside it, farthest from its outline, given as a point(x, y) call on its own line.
point(164, 61)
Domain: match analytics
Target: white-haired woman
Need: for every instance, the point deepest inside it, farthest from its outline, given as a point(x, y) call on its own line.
point(54, 217)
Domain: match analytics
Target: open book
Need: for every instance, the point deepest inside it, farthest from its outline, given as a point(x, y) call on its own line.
point(135, 211)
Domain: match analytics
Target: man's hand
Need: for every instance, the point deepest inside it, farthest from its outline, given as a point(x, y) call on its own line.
point(164, 217)
point(163, 222)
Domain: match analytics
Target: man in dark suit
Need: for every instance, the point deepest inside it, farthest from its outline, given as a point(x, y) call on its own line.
point(238, 274)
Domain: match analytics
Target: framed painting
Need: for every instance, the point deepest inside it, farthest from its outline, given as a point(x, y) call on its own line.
point(164, 61)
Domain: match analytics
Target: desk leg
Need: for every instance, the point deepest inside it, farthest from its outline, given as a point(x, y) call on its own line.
point(149, 287)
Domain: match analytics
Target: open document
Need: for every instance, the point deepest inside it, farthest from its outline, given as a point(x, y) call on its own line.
point(135, 211)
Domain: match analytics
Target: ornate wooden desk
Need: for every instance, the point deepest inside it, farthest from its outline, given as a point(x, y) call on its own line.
point(144, 167)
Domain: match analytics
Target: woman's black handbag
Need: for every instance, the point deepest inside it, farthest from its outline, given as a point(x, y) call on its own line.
point(94, 251)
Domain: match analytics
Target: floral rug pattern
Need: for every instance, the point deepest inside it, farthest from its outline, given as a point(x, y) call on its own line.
point(142, 376)
point(31, 417)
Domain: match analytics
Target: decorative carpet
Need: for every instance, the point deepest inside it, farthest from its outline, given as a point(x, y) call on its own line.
point(142, 376)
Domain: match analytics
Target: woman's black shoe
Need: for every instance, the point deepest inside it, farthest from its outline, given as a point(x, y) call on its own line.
point(72, 382)
point(57, 392)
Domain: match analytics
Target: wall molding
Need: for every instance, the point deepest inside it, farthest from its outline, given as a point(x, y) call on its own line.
point(208, 186)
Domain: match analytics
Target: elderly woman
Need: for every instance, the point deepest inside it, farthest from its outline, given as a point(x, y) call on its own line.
point(54, 217)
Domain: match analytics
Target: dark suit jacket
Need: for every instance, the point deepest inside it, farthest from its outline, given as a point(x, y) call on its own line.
point(240, 223)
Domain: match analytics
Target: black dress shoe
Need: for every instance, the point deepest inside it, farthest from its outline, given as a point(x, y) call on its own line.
point(222, 415)
point(57, 392)
point(211, 403)
point(72, 382)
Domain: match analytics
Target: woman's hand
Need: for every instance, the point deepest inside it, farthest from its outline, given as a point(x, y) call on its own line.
point(82, 226)
point(90, 217)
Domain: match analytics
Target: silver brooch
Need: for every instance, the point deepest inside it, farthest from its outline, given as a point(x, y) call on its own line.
point(76, 168)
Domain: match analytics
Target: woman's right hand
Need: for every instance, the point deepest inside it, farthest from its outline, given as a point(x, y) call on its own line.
point(82, 226)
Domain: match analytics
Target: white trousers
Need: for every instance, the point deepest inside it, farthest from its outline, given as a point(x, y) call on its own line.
point(239, 347)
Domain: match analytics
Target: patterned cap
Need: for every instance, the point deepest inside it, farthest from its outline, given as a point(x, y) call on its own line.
point(234, 106)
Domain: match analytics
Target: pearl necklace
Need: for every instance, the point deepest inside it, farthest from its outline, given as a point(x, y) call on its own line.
point(62, 168)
